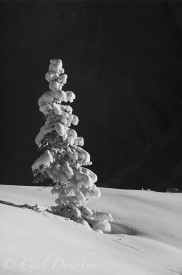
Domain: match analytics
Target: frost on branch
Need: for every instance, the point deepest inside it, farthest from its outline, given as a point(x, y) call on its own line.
point(63, 158)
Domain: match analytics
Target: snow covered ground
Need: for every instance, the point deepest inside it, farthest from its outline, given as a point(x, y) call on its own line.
point(146, 235)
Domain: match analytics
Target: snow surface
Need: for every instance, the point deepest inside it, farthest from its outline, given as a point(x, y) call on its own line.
point(146, 235)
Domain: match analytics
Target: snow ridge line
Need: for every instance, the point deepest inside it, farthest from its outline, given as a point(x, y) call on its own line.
point(36, 207)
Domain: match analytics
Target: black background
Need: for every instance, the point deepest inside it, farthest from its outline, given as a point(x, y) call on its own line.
point(123, 61)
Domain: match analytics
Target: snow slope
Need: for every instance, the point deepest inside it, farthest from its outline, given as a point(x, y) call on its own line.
point(146, 235)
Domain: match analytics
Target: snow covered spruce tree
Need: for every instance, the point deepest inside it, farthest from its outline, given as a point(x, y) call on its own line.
point(63, 159)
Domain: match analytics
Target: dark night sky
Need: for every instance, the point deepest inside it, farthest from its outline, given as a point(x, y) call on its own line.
point(124, 63)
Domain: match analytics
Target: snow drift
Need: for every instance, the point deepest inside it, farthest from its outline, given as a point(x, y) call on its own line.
point(146, 235)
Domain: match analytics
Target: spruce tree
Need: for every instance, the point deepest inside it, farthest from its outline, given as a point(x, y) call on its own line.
point(63, 159)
